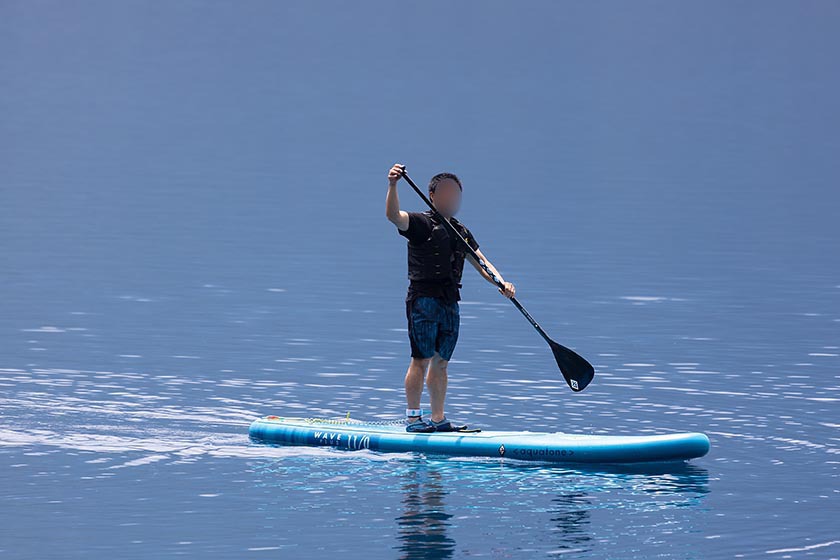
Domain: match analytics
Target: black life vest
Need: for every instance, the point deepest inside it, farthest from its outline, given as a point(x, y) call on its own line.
point(438, 259)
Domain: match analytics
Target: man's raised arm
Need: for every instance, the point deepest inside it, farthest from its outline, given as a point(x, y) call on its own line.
point(392, 202)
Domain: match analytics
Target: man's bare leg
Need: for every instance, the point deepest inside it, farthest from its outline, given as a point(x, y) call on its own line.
point(414, 383)
point(436, 381)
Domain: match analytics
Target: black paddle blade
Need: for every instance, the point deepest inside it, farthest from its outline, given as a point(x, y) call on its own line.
point(577, 371)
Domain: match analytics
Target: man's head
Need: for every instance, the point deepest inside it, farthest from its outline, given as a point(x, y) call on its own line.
point(445, 193)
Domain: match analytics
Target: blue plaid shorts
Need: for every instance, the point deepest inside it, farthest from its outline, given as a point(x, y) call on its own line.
point(432, 326)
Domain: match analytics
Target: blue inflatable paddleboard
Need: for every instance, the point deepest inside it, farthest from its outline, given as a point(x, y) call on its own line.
point(533, 446)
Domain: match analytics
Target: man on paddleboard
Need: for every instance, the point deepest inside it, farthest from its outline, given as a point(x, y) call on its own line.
point(435, 263)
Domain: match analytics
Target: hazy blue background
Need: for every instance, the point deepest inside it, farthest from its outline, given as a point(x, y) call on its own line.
point(192, 234)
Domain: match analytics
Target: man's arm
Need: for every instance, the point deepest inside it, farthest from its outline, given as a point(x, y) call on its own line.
point(509, 290)
point(392, 202)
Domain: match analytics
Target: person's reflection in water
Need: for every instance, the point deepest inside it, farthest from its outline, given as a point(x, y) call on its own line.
point(570, 516)
point(423, 524)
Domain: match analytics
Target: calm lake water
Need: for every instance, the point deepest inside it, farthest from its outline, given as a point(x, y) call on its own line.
point(192, 235)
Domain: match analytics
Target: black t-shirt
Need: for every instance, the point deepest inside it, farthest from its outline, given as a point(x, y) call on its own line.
point(420, 227)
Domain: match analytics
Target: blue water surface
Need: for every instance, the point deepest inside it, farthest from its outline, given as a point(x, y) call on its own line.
point(193, 235)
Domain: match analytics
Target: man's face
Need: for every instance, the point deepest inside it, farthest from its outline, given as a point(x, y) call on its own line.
point(447, 197)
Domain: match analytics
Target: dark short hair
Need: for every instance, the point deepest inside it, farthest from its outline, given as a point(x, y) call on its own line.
point(440, 177)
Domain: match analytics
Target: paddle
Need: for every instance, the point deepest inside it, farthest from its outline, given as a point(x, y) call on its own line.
point(576, 370)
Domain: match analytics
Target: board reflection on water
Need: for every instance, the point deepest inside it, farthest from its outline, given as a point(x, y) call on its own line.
point(438, 503)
